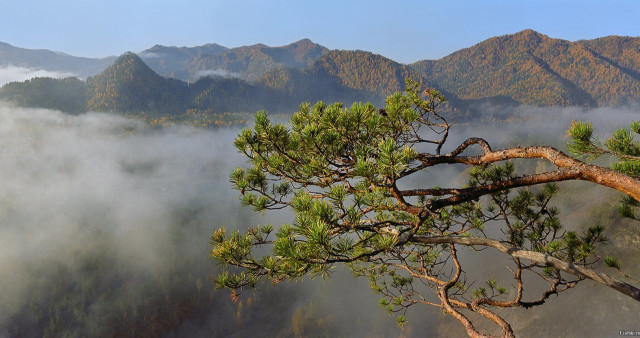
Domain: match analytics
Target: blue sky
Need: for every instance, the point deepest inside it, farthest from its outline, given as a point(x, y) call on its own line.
point(404, 30)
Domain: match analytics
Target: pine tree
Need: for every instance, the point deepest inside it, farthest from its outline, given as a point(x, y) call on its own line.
point(342, 171)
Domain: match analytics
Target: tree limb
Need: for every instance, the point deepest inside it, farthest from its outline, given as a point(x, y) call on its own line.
point(537, 257)
point(574, 168)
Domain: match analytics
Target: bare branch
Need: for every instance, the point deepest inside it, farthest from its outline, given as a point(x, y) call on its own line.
point(537, 257)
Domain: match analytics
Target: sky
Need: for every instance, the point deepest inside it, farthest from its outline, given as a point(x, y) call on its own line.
point(403, 30)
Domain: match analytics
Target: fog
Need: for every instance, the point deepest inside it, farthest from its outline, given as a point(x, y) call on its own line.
point(105, 221)
point(217, 72)
point(547, 123)
point(16, 74)
point(150, 55)
point(103, 186)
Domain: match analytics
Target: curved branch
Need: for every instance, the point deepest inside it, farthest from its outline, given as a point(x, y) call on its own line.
point(446, 301)
point(571, 166)
point(537, 257)
point(466, 194)
point(468, 142)
point(468, 325)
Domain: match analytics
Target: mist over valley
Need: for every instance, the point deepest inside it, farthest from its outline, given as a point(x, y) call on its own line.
point(116, 173)
point(105, 226)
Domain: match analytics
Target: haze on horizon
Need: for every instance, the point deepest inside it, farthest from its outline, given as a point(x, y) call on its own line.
point(406, 32)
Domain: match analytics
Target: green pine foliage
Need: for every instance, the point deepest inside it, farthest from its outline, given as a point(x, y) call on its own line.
point(621, 147)
point(337, 169)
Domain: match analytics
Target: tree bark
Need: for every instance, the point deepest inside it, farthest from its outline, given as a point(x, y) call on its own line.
point(570, 168)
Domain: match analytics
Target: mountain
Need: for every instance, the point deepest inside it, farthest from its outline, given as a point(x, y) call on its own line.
point(175, 61)
point(621, 51)
point(348, 76)
point(531, 68)
point(67, 95)
point(130, 85)
point(183, 63)
point(522, 68)
point(51, 61)
point(251, 62)
point(364, 71)
point(342, 75)
point(248, 62)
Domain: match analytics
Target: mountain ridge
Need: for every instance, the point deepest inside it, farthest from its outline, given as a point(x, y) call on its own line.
point(129, 84)
point(253, 61)
point(533, 68)
point(51, 60)
point(522, 68)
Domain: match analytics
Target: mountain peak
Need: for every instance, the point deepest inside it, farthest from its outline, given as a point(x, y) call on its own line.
point(303, 42)
point(131, 63)
point(528, 33)
point(128, 65)
point(128, 57)
point(214, 45)
point(306, 45)
point(132, 86)
point(525, 41)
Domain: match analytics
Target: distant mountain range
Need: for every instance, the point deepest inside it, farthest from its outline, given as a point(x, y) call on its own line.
point(249, 62)
point(522, 68)
point(182, 63)
point(51, 61)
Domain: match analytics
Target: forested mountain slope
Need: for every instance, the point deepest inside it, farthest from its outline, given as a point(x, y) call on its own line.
point(251, 62)
point(523, 68)
point(532, 68)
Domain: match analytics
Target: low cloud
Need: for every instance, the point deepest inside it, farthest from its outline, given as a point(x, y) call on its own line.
point(105, 222)
point(119, 211)
point(83, 191)
point(549, 123)
point(15, 74)
point(217, 72)
point(150, 55)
